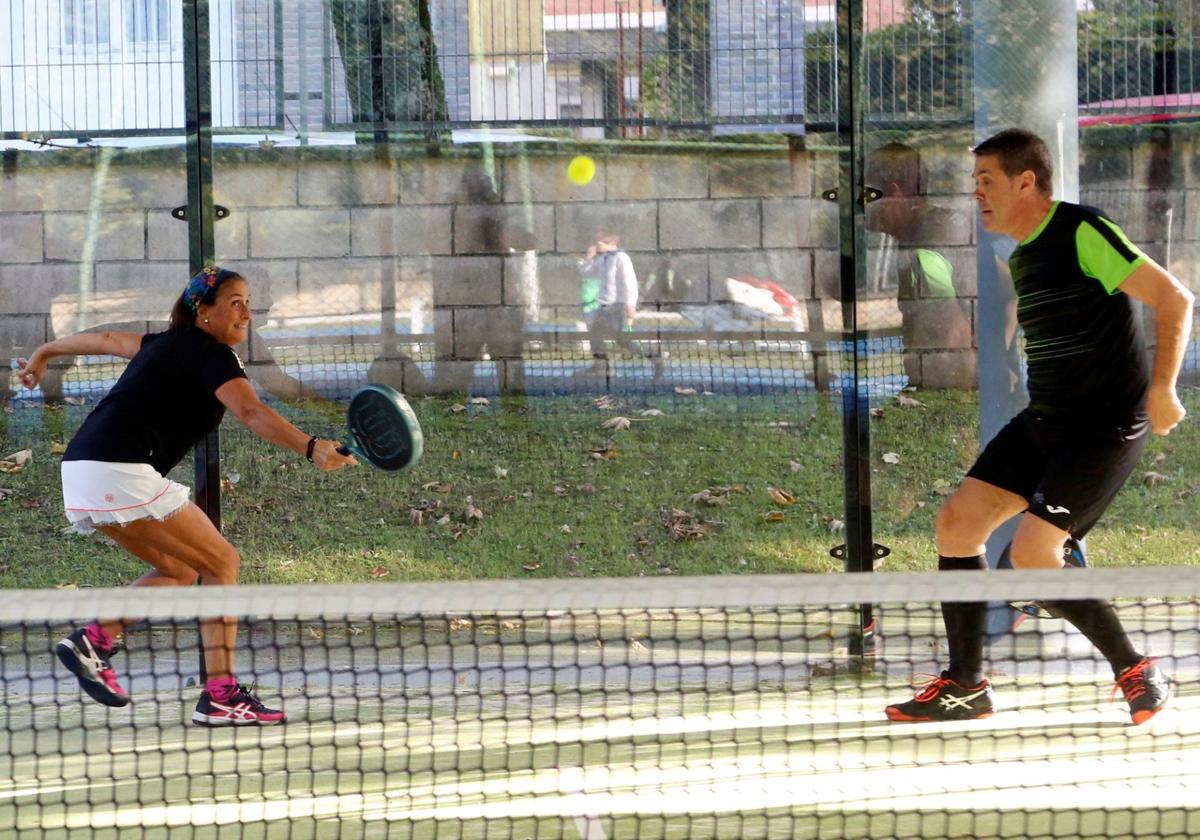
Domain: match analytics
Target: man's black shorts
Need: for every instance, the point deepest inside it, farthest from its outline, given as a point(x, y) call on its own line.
point(1069, 473)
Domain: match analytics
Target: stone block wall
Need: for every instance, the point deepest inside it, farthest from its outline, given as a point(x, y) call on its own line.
point(344, 235)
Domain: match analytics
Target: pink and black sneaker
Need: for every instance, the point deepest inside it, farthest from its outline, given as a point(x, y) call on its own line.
point(89, 663)
point(241, 709)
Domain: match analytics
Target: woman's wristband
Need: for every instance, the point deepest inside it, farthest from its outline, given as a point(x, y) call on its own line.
point(312, 444)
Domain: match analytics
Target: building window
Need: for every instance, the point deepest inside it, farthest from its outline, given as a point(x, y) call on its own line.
point(85, 23)
point(147, 21)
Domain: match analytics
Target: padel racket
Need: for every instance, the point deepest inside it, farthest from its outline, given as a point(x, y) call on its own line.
point(383, 429)
point(1073, 558)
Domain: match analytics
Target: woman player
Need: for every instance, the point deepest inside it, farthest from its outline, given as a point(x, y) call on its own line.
point(172, 394)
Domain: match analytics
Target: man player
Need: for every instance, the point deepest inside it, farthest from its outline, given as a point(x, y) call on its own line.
point(1093, 400)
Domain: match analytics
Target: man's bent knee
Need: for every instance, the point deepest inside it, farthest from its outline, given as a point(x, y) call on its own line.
point(1037, 545)
point(957, 535)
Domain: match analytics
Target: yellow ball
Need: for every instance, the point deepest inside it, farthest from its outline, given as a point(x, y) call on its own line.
point(581, 169)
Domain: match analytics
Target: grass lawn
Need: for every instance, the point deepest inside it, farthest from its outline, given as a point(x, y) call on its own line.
point(539, 488)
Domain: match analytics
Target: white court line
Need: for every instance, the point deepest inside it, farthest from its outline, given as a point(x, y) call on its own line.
point(1160, 781)
point(1163, 778)
point(589, 828)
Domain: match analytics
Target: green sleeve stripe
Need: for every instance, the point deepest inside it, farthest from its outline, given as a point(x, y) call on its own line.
point(1105, 253)
point(939, 274)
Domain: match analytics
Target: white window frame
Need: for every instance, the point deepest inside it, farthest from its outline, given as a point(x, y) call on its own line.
point(139, 12)
point(83, 17)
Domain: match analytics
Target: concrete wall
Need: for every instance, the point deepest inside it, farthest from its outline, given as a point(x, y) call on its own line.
point(336, 235)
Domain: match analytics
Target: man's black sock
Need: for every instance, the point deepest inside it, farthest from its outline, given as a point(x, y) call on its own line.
point(965, 623)
point(1098, 621)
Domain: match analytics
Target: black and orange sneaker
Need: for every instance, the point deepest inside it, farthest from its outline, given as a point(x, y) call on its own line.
point(941, 698)
point(1145, 688)
point(242, 709)
point(90, 665)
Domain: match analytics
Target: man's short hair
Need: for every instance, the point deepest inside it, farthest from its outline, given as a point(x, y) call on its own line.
point(897, 163)
point(1019, 151)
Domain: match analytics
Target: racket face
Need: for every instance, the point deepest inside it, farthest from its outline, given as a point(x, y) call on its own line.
point(385, 429)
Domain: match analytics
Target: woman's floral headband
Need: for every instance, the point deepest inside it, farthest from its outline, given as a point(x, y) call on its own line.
point(202, 288)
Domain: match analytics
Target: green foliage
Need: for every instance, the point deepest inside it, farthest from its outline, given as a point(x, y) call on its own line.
point(390, 60)
point(923, 66)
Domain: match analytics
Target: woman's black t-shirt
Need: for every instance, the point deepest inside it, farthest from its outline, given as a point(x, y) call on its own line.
point(163, 404)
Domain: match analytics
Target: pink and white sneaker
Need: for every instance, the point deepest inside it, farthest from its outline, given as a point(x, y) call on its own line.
point(91, 666)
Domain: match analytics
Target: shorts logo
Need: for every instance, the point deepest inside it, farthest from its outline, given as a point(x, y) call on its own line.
point(108, 497)
point(1056, 509)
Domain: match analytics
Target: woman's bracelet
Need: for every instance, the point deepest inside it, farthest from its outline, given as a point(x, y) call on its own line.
point(312, 444)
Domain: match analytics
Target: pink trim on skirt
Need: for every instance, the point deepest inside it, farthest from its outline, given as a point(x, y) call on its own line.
point(103, 493)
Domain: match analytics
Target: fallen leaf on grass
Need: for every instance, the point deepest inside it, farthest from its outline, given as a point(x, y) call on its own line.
point(380, 572)
point(438, 486)
point(70, 585)
point(681, 525)
point(891, 458)
point(317, 633)
point(685, 392)
point(773, 516)
point(471, 512)
point(608, 453)
point(444, 520)
point(531, 567)
point(457, 408)
point(650, 412)
point(606, 402)
point(908, 402)
point(5, 492)
point(57, 447)
point(16, 461)
point(479, 401)
point(566, 529)
point(560, 491)
point(780, 496)
point(795, 466)
point(586, 489)
point(499, 471)
point(416, 517)
point(1153, 479)
point(617, 424)
point(836, 526)
point(707, 497)
point(877, 413)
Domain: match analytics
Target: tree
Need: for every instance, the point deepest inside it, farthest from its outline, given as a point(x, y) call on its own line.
point(390, 61)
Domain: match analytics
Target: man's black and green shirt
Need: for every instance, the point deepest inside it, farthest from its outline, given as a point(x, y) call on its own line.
point(1087, 357)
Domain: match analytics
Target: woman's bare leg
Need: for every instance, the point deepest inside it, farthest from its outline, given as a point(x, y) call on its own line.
point(181, 548)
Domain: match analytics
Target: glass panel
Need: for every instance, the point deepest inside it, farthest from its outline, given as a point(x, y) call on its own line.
point(604, 324)
point(87, 243)
point(1113, 112)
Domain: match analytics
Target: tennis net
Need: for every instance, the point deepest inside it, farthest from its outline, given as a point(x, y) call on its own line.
point(649, 708)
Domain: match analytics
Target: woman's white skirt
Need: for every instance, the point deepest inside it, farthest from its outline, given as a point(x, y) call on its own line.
point(102, 493)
